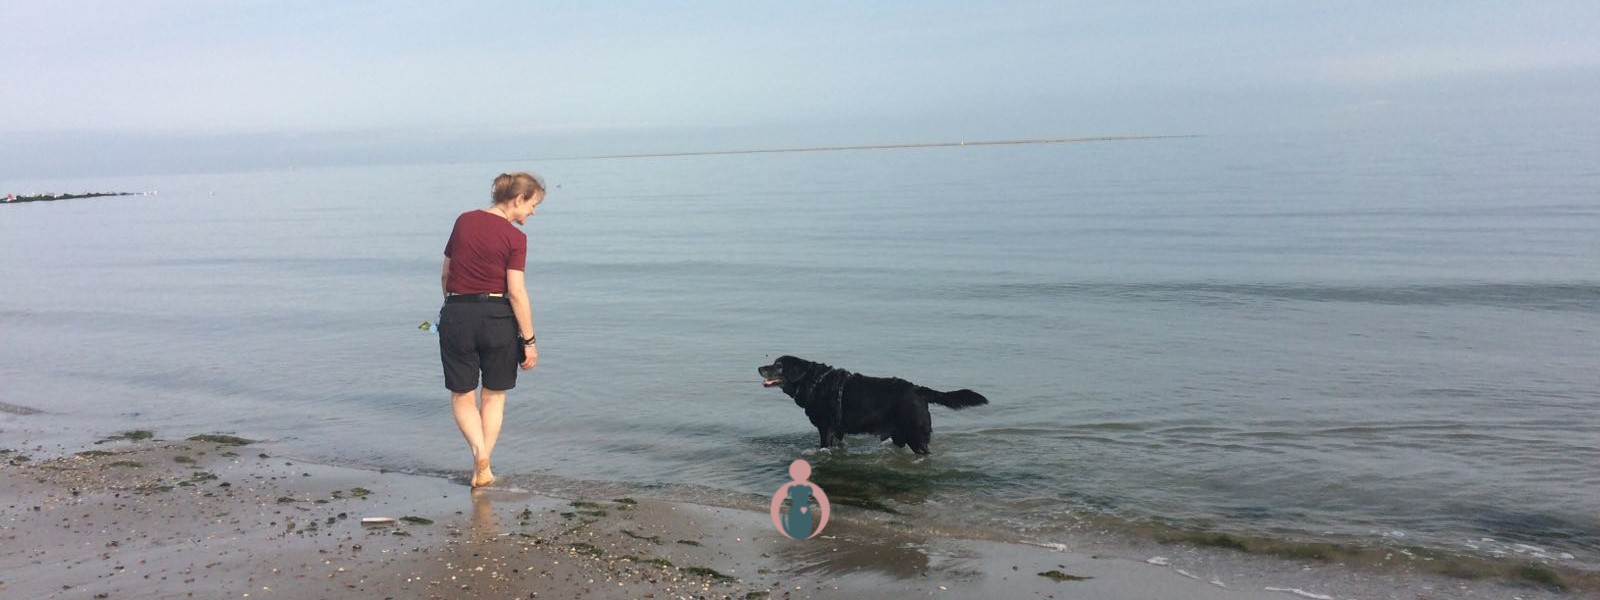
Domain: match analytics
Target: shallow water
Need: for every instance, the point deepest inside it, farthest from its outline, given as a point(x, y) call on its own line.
point(1374, 340)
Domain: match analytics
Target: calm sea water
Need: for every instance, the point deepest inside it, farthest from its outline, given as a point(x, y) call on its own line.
point(1372, 340)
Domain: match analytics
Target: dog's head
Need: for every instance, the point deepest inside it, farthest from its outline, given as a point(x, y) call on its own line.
point(789, 373)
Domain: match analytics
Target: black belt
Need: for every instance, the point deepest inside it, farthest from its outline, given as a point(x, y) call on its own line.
point(454, 298)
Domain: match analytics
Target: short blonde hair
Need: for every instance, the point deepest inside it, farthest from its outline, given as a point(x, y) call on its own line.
point(508, 186)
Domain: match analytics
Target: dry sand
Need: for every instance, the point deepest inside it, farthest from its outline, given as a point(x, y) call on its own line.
point(203, 519)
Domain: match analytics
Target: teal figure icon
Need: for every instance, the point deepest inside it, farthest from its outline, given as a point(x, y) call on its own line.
point(807, 513)
point(797, 523)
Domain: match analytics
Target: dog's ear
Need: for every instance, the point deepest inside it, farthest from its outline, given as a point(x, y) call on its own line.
point(793, 368)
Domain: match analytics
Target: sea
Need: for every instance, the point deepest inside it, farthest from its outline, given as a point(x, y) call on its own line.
point(1371, 340)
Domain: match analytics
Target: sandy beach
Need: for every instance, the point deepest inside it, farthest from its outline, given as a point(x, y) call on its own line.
point(216, 517)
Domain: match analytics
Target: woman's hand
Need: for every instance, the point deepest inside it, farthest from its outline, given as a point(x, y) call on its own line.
point(530, 357)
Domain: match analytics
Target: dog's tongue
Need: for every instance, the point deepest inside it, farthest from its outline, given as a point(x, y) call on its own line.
point(770, 383)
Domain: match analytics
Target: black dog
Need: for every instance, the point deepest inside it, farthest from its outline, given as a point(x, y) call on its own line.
point(840, 402)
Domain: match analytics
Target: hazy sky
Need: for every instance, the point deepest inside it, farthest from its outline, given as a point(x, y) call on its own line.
point(145, 83)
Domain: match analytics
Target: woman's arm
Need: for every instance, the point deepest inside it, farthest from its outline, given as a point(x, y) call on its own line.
point(517, 290)
point(444, 278)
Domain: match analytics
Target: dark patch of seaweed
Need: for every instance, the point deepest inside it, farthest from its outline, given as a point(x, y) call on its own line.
point(226, 440)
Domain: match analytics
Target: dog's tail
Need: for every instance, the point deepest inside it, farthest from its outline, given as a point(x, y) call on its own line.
point(958, 399)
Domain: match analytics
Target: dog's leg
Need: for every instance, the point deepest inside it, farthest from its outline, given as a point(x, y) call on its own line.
point(827, 437)
point(919, 443)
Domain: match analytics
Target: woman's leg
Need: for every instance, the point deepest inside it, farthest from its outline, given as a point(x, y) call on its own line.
point(490, 414)
point(465, 405)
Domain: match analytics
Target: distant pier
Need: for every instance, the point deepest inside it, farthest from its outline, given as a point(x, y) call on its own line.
point(15, 199)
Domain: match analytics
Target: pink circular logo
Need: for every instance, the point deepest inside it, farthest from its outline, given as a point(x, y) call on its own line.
point(807, 512)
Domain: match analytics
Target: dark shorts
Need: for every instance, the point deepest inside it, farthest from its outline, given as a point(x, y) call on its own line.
point(479, 337)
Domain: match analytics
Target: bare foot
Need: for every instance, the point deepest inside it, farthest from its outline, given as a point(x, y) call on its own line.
point(482, 476)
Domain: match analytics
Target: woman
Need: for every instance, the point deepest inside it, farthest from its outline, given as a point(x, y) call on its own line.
point(486, 326)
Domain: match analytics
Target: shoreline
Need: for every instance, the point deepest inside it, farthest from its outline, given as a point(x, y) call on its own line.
point(213, 516)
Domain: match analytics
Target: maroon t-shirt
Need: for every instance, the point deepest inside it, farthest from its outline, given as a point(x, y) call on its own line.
point(482, 247)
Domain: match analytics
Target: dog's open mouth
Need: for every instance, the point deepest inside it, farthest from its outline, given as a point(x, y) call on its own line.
point(771, 375)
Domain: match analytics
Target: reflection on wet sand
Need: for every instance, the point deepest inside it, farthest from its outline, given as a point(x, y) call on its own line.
point(893, 556)
point(484, 526)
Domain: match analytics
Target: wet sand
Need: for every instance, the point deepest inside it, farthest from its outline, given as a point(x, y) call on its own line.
point(152, 518)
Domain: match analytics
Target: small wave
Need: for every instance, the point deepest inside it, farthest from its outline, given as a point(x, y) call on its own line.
point(1366, 430)
point(1021, 431)
point(1523, 568)
point(1532, 527)
point(1111, 426)
point(1576, 297)
point(1451, 393)
point(1196, 430)
point(316, 265)
point(1300, 592)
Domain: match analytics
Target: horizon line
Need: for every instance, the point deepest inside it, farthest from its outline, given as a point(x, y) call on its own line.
point(1104, 138)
